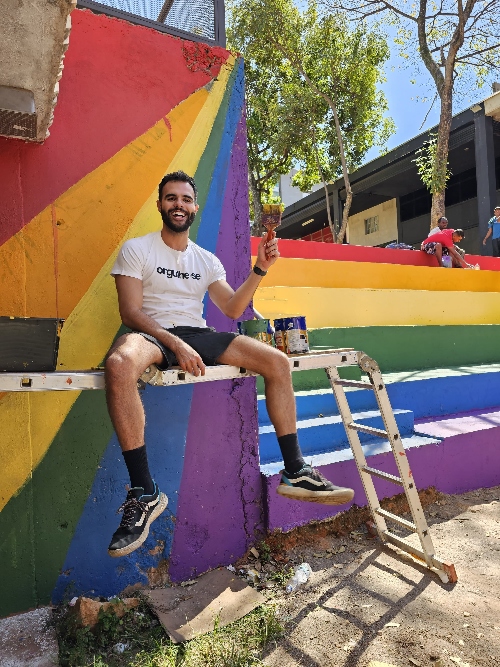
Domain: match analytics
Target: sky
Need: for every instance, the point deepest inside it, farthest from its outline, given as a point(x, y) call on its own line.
point(406, 105)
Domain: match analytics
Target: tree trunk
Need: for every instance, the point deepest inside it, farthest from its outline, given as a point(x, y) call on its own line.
point(345, 215)
point(256, 228)
point(441, 163)
point(345, 173)
point(327, 199)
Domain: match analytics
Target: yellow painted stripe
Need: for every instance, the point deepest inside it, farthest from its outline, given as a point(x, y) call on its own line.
point(292, 272)
point(327, 307)
point(15, 445)
point(92, 325)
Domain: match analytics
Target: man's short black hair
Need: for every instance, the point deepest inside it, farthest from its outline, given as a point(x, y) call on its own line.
point(443, 217)
point(177, 176)
point(460, 232)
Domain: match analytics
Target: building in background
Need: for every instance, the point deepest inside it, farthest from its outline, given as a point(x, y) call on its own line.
point(390, 202)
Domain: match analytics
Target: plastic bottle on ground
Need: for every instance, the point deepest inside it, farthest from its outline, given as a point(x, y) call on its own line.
point(446, 261)
point(300, 576)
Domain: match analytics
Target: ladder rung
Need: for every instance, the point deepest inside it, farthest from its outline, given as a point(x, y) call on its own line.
point(354, 383)
point(369, 429)
point(383, 475)
point(402, 544)
point(396, 519)
point(429, 559)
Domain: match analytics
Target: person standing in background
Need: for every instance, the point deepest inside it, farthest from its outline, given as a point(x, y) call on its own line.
point(494, 227)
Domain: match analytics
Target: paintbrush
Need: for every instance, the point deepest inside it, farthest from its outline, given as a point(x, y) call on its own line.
point(271, 218)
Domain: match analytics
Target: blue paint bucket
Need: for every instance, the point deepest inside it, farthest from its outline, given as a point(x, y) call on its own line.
point(291, 334)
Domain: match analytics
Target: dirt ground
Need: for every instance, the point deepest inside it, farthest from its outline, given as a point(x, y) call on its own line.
point(366, 604)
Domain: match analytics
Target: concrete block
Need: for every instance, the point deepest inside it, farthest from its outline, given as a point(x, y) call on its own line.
point(28, 640)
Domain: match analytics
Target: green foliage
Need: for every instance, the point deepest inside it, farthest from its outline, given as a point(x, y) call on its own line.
point(282, 575)
point(434, 173)
point(457, 44)
point(82, 646)
point(295, 60)
point(264, 552)
point(237, 645)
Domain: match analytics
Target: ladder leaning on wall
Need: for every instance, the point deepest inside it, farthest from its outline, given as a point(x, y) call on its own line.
point(330, 361)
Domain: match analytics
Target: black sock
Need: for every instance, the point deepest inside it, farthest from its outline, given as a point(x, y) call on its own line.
point(138, 469)
point(290, 450)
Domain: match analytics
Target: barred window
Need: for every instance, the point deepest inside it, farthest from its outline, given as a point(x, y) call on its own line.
point(371, 224)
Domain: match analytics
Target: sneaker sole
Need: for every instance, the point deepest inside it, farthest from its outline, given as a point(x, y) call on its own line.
point(340, 497)
point(125, 551)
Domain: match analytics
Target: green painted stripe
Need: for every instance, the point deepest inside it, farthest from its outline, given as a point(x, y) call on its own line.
point(18, 589)
point(38, 524)
point(206, 165)
point(404, 348)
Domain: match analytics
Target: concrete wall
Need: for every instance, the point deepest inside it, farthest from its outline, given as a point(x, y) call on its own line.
point(34, 37)
point(134, 104)
point(387, 225)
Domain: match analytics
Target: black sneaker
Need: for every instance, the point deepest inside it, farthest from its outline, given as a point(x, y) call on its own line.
point(139, 512)
point(308, 484)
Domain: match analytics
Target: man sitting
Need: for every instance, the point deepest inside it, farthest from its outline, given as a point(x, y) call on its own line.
point(442, 243)
point(161, 280)
point(442, 223)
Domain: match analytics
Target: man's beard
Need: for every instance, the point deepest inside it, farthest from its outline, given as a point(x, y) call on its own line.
point(177, 228)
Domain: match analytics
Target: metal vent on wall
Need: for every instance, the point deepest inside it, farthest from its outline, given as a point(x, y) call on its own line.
point(17, 113)
point(195, 16)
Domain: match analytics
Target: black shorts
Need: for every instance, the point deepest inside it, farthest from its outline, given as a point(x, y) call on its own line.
point(208, 342)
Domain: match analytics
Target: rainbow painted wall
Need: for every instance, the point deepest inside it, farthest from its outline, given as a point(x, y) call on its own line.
point(396, 305)
point(434, 332)
point(134, 104)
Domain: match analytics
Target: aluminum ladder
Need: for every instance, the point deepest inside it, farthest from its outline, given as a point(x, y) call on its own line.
point(426, 553)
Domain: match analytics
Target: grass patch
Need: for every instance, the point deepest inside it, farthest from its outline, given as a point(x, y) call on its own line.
point(240, 644)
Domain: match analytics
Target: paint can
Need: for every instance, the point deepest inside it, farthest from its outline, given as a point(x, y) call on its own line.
point(291, 334)
point(258, 329)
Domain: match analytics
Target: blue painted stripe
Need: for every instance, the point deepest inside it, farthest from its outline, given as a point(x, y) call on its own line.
point(88, 568)
point(211, 215)
point(328, 434)
point(454, 390)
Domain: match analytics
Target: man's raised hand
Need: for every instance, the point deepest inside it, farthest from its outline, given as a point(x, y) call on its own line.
point(267, 252)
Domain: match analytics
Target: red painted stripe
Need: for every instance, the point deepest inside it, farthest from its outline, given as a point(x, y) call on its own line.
point(353, 253)
point(118, 80)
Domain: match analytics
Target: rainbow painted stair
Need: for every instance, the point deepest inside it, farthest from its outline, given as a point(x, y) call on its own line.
point(449, 445)
point(439, 355)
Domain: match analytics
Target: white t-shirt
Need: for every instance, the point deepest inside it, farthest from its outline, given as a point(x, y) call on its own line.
point(174, 282)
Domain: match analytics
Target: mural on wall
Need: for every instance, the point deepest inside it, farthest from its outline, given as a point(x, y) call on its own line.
point(434, 333)
point(396, 305)
point(134, 104)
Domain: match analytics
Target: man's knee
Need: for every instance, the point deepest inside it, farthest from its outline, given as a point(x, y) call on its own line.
point(278, 365)
point(120, 363)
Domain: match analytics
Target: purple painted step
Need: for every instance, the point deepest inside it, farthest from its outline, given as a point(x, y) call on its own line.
point(462, 422)
point(467, 458)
